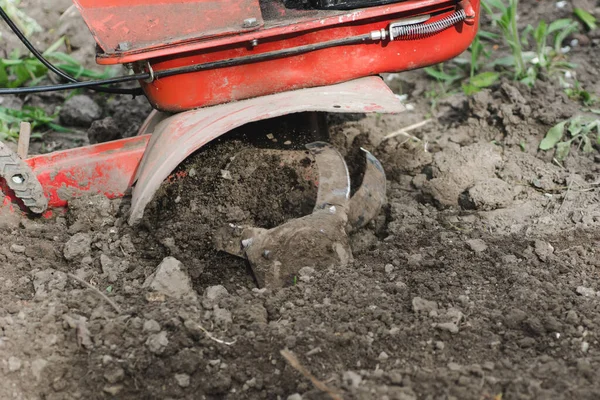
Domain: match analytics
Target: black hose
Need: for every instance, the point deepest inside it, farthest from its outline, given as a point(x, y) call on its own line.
point(231, 62)
point(75, 85)
point(55, 70)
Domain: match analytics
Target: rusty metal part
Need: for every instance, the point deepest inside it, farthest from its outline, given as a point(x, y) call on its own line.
point(179, 136)
point(318, 239)
point(22, 181)
point(334, 179)
point(106, 168)
point(370, 197)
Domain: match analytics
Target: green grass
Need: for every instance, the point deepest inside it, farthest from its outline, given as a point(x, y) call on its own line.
point(26, 24)
point(10, 121)
point(533, 51)
point(17, 71)
point(580, 131)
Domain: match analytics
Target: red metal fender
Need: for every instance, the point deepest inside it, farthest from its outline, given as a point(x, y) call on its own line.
point(177, 137)
point(107, 168)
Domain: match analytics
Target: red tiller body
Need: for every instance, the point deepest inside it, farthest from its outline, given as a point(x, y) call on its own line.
point(161, 35)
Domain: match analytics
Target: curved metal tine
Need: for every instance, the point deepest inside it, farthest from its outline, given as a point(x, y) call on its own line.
point(370, 197)
point(334, 179)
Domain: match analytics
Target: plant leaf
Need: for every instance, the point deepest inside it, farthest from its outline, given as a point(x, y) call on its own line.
point(588, 19)
point(562, 150)
point(469, 89)
point(507, 61)
point(484, 79)
point(587, 144)
point(540, 33)
point(553, 136)
point(559, 24)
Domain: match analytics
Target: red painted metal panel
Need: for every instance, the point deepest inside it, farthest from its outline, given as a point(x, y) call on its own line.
point(317, 68)
point(107, 168)
point(125, 25)
point(281, 23)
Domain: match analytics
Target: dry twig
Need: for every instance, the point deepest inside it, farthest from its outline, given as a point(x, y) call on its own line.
point(95, 289)
point(404, 131)
point(210, 336)
point(24, 138)
point(294, 363)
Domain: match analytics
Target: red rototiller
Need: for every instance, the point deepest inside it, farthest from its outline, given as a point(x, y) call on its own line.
point(209, 66)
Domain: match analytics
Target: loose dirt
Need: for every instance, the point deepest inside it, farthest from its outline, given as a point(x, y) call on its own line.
point(478, 279)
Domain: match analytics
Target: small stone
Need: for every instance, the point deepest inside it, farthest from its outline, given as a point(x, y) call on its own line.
point(454, 366)
point(526, 342)
point(80, 110)
point(17, 248)
point(488, 365)
point(114, 374)
point(182, 380)
point(383, 356)
point(157, 342)
point(585, 291)
point(421, 305)
point(290, 341)
point(389, 268)
point(37, 367)
point(306, 271)
point(572, 317)
point(78, 245)
point(543, 250)
point(352, 378)
point(477, 245)
point(14, 364)
point(440, 345)
point(113, 390)
point(151, 326)
point(215, 292)
point(585, 346)
point(106, 263)
point(222, 316)
point(448, 326)
point(170, 279)
point(295, 396)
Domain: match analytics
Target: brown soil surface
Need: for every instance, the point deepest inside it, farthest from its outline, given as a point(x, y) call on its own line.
point(479, 278)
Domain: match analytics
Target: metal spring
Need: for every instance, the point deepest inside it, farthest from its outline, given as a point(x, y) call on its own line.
point(422, 30)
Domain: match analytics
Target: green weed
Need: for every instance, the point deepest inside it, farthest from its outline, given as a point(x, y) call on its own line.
point(28, 25)
point(466, 70)
point(16, 71)
point(545, 57)
point(579, 130)
point(578, 93)
point(10, 120)
point(588, 19)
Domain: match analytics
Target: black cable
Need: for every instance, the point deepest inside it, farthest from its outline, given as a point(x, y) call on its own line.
point(74, 85)
point(55, 70)
point(200, 67)
point(263, 56)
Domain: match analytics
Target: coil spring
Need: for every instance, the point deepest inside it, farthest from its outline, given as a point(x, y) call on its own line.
point(422, 30)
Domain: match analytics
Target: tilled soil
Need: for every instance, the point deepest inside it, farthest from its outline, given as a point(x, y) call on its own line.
point(478, 280)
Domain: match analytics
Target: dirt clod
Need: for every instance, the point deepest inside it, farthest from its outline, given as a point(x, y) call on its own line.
point(80, 110)
point(170, 279)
